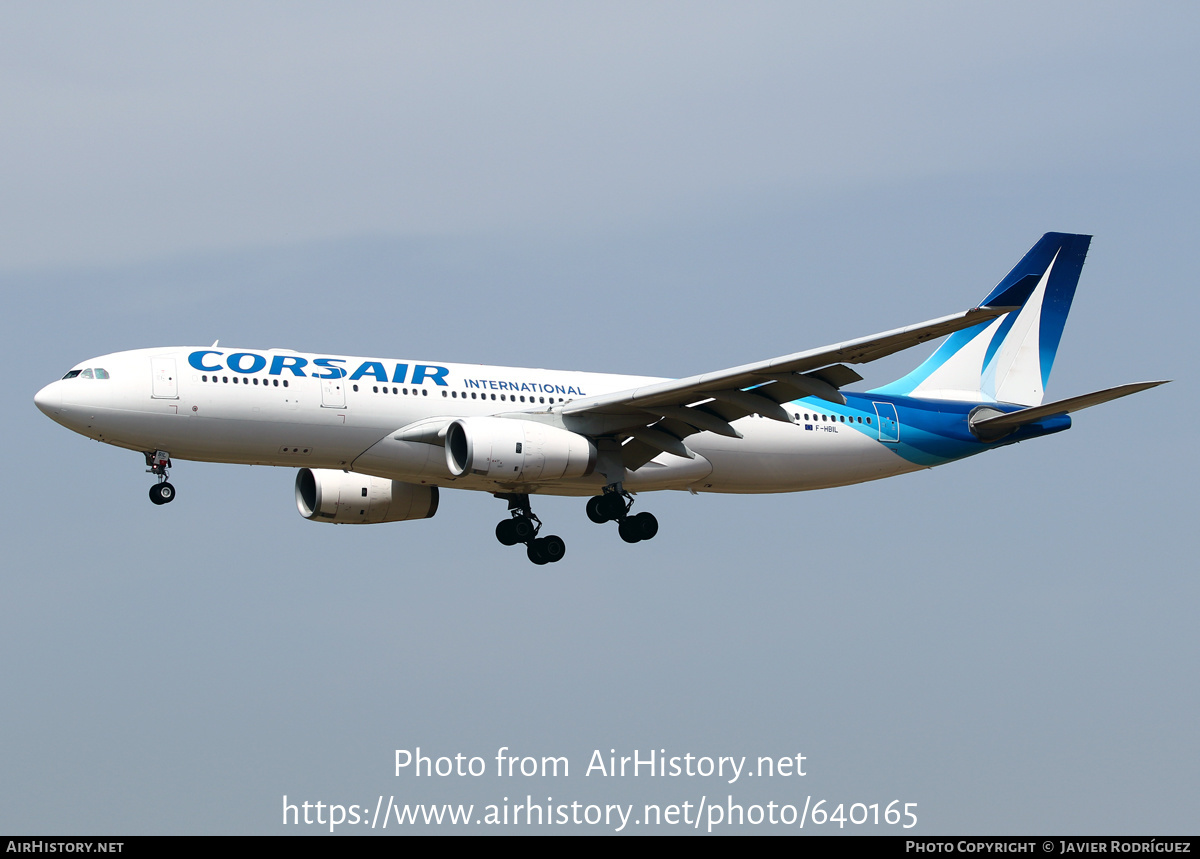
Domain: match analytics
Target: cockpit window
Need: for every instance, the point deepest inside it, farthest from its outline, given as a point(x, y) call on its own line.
point(89, 373)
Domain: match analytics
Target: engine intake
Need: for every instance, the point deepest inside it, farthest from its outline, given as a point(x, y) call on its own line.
point(345, 498)
point(512, 449)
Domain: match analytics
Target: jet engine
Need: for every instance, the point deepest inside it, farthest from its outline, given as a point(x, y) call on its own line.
point(345, 498)
point(513, 449)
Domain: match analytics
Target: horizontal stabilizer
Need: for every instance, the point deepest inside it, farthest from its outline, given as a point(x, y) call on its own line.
point(991, 425)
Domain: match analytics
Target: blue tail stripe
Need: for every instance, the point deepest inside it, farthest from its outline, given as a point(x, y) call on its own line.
point(906, 384)
point(1066, 251)
point(1059, 294)
point(998, 337)
point(1015, 295)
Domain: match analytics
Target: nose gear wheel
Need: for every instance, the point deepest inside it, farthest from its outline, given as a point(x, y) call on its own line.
point(157, 463)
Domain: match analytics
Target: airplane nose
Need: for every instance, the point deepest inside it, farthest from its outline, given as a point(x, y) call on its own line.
point(49, 399)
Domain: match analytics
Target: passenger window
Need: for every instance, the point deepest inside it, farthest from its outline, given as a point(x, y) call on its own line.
point(355, 387)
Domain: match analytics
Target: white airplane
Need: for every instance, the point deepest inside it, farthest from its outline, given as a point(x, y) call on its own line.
point(375, 439)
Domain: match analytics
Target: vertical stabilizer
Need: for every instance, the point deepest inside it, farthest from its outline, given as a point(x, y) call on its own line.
point(1008, 359)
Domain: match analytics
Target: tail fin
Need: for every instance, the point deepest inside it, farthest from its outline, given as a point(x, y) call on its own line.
point(1007, 359)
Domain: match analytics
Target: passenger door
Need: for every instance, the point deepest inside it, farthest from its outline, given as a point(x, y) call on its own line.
point(889, 423)
point(333, 394)
point(165, 382)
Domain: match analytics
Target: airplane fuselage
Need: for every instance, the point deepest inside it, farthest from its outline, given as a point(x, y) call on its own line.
point(284, 408)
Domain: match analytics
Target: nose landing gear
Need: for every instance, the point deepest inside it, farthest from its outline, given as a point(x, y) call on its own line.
point(157, 463)
point(523, 527)
point(615, 504)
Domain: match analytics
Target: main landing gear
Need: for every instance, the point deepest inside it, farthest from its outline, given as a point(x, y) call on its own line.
point(523, 527)
point(157, 463)
point(614, 504)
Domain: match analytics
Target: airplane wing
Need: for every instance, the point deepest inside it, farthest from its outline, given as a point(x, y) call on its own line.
point(657, 417)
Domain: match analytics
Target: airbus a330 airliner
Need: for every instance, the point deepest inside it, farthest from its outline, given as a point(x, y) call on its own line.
point(375, 439)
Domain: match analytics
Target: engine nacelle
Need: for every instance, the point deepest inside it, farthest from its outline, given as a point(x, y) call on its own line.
point(512, 449)
point(344, 498)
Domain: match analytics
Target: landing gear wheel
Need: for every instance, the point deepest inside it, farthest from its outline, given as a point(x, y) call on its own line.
point(553, 548)
point(629, 531)
point(611, 506)
point(524, 528)
point(506, 532)
point(595, 509)
point(645, 525)
point(162, 493)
